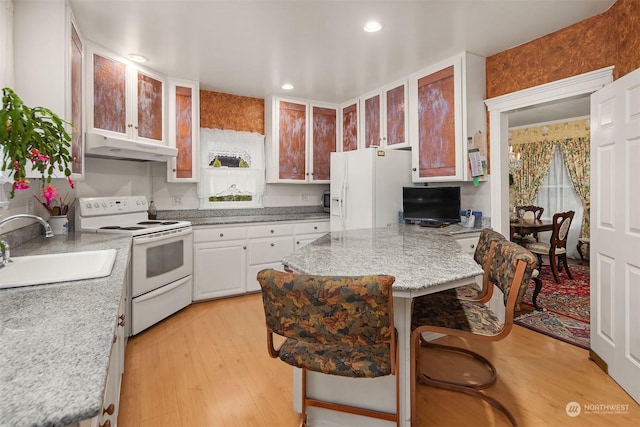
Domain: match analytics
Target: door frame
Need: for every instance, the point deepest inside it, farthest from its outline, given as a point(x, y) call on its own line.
point(499, 108)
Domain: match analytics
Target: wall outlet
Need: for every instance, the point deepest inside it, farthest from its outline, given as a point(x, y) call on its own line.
point(177, 200)
point(304, 197)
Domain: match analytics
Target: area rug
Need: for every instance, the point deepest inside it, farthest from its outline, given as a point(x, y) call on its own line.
point(566, 306)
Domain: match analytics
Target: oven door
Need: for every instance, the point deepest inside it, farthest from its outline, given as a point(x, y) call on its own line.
point(161, 258)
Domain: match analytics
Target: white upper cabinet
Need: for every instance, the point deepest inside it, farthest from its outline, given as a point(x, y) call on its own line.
point(349, 126)
point(125, 100)
point(184, 131)
point(384, 121)
point(446, 107)
point(48, 67)
point(299, 137)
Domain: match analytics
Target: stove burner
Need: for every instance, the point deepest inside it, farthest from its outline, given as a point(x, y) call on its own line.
point(132, 228)
point(169, 222)
point(110, 227)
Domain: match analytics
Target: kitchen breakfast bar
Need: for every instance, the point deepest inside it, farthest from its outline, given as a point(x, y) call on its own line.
point(423, 260)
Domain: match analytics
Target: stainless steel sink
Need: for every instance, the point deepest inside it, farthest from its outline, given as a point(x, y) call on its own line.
point(55, 268)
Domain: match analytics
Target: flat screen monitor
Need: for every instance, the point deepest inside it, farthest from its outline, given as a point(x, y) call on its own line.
point(431, 204)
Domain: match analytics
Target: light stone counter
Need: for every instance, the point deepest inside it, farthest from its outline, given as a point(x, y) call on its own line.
point(423, 260)
point(55, 340)
point(418, 257)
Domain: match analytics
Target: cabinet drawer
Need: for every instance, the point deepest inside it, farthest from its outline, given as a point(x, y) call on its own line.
point(269, 250)
point(468, 244)
point(218, 234)
point(312, 227)
point(270, 230)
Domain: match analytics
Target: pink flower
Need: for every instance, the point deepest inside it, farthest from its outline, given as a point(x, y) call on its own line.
point(49, 194)
point(21, 184)
point(71, 183)
point(37, 157)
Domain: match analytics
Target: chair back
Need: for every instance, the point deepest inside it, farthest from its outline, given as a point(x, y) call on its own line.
point(348, 310)
point(484, 244)
point(511, 270)
point(536, 211)
point(560, 233)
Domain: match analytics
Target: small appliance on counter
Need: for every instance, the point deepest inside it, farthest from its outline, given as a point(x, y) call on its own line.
point(161, 255)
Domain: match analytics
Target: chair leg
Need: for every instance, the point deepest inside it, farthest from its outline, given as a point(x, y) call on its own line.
point(566, 265)
point(468, 389)
point(554, 268)
point(424, 378)
point(536, 291)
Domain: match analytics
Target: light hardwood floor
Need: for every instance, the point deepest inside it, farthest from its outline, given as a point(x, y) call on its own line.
point(208, 366)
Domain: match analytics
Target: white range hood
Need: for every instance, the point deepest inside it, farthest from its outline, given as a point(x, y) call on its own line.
point(113, 148)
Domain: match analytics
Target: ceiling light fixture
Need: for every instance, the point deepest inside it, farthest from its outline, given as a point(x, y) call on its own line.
point(136, 57)
point(287, 86)
point(372, 27)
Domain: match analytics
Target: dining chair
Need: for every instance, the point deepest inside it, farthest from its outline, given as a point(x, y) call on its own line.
point(556, 249)
point(336, 325)
point(474, 292)
point(529, 212)
point(509, 267)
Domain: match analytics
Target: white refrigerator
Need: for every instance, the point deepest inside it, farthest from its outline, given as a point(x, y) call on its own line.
point(366, 187)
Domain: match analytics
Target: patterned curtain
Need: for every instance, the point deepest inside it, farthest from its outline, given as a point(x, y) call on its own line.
point(536, 159)
point(577, 158)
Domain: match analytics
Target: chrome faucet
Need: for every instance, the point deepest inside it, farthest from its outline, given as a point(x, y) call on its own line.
point(5, 253)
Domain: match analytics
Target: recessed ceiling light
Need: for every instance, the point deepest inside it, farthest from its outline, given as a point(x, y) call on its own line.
point(137, 57)
point(287, 86)
point(372, 27)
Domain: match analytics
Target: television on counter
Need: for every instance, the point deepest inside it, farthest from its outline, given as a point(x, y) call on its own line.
point(431, 205)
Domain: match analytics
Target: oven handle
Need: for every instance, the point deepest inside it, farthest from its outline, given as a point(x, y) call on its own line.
point(161, 235)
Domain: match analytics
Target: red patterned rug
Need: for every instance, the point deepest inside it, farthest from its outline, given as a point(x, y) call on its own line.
point(566, 306)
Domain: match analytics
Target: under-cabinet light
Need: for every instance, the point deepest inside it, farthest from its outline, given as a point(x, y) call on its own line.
point(372, 27)
point(138, 58)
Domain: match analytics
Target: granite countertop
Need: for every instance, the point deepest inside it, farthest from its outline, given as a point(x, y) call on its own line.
point(245, 216)
point(418, 257)
point(55, 340)
point(222, 220)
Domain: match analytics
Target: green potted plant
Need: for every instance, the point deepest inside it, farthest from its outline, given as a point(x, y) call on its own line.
point(33, 135)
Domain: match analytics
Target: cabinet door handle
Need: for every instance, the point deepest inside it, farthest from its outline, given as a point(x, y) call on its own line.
point(244, 247)
point(121, 321)
point(273, 244)
point(109, 409)
point(473, 246)
point(315, 227)
point(115, 338)
point(298, 242)
point(221, 234)
point(414, 169)
point(272, 231)
point(129, 125)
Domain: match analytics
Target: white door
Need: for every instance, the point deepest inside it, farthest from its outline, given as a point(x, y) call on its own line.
point(615, 229)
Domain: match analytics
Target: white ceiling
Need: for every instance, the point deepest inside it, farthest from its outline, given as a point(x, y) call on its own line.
point(251, 48)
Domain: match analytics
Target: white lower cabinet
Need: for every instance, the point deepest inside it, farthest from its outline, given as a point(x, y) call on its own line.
point(468, 241)
point(227, 259)
point(108, 416)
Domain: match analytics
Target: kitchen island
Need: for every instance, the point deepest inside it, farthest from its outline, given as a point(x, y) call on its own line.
point(423, 260)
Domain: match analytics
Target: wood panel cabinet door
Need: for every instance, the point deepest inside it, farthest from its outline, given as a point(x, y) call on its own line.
point(436, 124)
point(184, 131)
point(350, 127)
point(323, 138)
point(292, 138)
point(77, 131)
point(150, 107)
point(371, 106)
point(109, 94)
point(395, 111)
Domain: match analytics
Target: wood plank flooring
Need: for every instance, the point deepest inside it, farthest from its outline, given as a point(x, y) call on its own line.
point(208, 366)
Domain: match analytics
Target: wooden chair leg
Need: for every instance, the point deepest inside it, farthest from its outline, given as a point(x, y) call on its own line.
point(566, 266)
point(536, 291)
point(553, 260)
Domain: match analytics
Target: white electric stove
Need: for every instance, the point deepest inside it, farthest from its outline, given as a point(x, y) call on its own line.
point(161, 255)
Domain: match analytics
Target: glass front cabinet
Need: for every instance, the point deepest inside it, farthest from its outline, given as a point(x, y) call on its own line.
point(184, 122)
point(446, 108)
point(300, 135)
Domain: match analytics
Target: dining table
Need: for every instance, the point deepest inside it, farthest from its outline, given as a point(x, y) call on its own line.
point(524, 226)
